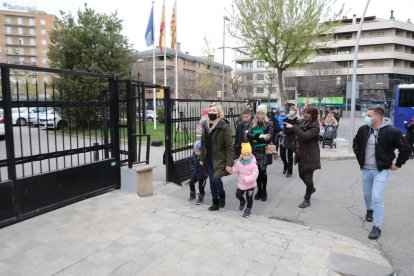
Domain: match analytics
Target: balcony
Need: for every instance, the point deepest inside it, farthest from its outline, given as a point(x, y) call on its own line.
point(19, 25)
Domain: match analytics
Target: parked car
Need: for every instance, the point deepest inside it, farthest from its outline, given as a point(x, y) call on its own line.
point(52, 119)
point(35, 112)
point(149, 115)
point(20, 116)
point(2, 131)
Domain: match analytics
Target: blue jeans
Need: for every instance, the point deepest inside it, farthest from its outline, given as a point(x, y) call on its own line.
point(373, 185)
point(216, 184)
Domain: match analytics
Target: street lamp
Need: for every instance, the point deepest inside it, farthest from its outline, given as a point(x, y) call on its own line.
point(225, 18)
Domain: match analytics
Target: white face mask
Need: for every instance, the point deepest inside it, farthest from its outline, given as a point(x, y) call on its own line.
point(292, 113)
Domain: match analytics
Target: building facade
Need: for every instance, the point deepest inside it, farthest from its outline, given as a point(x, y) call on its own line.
point(198, 77)
point(24, 39)
point(385, 59)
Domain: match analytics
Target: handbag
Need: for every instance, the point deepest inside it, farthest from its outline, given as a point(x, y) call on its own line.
point(271, 149)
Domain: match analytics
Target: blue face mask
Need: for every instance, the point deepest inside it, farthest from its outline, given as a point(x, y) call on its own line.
point(367, 121)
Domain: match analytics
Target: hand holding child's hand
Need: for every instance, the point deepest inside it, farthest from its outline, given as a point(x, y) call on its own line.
point(229, 169)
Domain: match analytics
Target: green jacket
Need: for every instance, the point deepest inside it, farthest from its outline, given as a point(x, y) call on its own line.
point(221, 147)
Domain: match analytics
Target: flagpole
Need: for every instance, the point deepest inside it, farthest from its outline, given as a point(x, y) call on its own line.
point(165, 51)
point(154, 99)
point(176, 51)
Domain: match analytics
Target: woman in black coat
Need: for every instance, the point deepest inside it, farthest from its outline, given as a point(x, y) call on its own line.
point(307, 153)
point(289, 146)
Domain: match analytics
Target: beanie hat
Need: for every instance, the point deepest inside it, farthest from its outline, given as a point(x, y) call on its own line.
point(197, 145)
point(282, 109)
point(246, 148)
point(262, 108)
point(204, 112)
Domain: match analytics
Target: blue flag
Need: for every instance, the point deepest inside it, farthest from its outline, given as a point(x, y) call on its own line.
point(149, 33)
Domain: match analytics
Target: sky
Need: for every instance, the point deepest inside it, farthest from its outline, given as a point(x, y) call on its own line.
point(195, 18)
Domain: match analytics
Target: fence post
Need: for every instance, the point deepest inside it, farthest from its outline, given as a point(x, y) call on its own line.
point(114, 111)
point(8, 122)
point(168, 127)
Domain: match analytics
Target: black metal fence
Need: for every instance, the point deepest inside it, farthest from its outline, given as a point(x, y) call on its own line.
point(66, 134)
point(182, 119)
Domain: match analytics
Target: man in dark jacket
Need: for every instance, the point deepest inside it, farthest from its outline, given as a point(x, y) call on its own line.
point(374, 146)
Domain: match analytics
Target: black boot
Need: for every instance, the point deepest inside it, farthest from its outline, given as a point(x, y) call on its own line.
point(258, 194)
point(222, 200)
point(200, 199)
point(305, 204)
point(369, 216)
point(215, 206)
point(192, 196)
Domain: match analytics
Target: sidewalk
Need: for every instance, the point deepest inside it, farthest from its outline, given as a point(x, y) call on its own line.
point(121, 234)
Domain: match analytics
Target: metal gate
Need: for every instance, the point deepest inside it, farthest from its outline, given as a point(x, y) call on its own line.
point(66, 135)
point(182, 118)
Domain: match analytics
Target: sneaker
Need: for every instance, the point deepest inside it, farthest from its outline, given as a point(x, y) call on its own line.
point(288, 174)
point(375, 233)
point(305, 204)
point(222, 202)
point(192, 196)
point(258, 196)
point(242, 204)
point(369, 216)
point(284, 171)
point(264, 197)
point(200, 199)
point(247, 213)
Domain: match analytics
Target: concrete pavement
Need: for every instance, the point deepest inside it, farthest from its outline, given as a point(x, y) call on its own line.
point(121, 234)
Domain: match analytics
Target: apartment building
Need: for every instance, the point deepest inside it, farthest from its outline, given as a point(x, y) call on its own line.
point(24, 39)
point(198, 77)
point(385, 59)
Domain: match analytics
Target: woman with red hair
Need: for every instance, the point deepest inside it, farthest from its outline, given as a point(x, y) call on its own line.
point(307, 153)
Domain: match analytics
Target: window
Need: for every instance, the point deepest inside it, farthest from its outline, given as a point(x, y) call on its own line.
point(31, 21)
point(8, 20)
point(21, 41)
point(8, 30)
point(9, 59)
point(44, 51)
point(21, 60)
point(32, 31)
point(33, 60)
point(406, 98)
point(260, 64)
point(43, 41)
point(32, 41)
point(260, 77)
point(43, 32)
point(42, 22)
point(20, 31)
point(44, 60)
point(33, 51)
point(9, 40)
point(16, 51)
point(378, 63)
point(19, 21)
point(344, 51)
point(259, 90)
point(376, 34)
point(378, 48)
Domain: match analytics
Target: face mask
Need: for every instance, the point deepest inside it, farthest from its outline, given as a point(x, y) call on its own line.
point(368, 121)
point(212, 116)
point(306, 117)
point(291, 113)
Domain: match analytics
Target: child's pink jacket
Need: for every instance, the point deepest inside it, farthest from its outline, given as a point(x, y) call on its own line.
point(248, 174)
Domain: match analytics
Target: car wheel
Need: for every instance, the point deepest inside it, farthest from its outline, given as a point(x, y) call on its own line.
point(21, 121)
point(61, 124)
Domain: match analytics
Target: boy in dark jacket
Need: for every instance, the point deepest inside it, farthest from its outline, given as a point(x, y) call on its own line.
point(198, 173)
point(241, 130)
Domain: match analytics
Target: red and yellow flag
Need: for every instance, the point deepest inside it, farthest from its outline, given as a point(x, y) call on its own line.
point(162, 27)
point(173, 29)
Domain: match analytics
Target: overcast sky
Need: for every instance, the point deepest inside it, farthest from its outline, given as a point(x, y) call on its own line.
point(195, 18)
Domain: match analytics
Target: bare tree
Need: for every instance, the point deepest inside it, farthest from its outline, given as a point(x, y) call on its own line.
point(235, 85)
point(322, 80)
point(208, 81)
